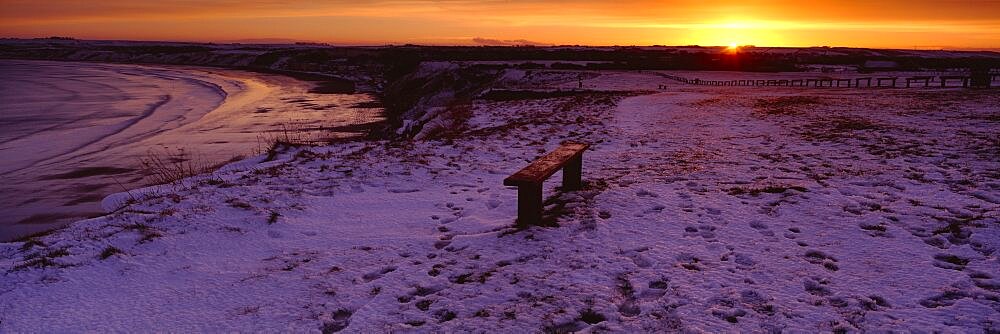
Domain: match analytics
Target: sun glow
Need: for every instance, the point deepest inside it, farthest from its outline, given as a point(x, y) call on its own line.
point(889, 23)
point(736, 32)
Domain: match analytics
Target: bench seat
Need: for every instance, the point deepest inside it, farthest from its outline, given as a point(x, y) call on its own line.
point(528, 180)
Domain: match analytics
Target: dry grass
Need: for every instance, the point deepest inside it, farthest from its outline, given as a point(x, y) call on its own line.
point(784, 105)
point(274, 142)
point(40, 260)
point(109, 252)
point(756, 190)
point(169, 166)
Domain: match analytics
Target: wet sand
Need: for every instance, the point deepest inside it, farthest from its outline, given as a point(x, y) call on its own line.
point(73, 133)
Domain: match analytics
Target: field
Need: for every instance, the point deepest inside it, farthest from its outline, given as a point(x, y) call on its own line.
point(705, 209)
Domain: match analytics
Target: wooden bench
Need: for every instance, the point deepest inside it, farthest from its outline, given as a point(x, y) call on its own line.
point(569, 157)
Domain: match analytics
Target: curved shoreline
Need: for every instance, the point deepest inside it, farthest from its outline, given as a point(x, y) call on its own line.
point(209, 115)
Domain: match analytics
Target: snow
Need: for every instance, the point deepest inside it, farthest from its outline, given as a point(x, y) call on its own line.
point(706, 209)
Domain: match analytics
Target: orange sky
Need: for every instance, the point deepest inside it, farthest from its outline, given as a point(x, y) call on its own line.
point(883, 23)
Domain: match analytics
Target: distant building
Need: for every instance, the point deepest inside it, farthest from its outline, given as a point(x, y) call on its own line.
point(880, 65)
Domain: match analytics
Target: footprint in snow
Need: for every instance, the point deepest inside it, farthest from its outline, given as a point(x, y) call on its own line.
point(819, 257)
point(374, 275)
point(492, 203)
point(793, 233)
point(744, 259)
point(948, 261)
point(762, 228)
point(874, 229)
point(727, 309)
point(639, 259)
point(646, 193)
point(630, 306)
point(337, 322)
point(689, 262)
point(654, 209)
point(946, 298)
point(442, 244)
point(873, 302)
point(586, 318)
point(817, 287)
point(985, 281)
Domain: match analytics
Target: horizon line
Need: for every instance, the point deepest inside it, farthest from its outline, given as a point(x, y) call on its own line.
point(292, 41)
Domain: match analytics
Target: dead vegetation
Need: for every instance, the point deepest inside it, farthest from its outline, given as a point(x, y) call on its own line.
point(42, 260)
point(169, 166)
point(288, 136)
point(785, 105)
point(109, 252)
point(755, 190)
point(835, 128)
point(853, 124)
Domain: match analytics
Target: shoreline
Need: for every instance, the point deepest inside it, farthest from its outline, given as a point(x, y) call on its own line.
point(206, 133)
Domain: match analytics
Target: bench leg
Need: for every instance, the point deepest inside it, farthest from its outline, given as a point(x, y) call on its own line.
point(529, 205)
point(573, 174)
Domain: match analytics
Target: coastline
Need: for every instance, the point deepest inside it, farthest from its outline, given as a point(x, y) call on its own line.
point(211, 114)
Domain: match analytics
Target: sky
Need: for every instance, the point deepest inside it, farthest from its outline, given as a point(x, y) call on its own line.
point(920, 24)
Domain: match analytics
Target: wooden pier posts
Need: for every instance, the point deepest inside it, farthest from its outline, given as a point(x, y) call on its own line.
point(926, 80)
point(983, 78)
point(890, 79)
point(946, 78)
point(979, 77)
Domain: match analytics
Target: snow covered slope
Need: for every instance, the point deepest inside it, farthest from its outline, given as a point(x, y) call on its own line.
point(706, 209)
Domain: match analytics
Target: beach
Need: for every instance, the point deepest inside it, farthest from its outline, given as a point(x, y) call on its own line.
point(73, 132)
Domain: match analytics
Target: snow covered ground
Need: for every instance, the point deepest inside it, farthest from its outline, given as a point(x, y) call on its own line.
point(72, 133)
point(706, 209)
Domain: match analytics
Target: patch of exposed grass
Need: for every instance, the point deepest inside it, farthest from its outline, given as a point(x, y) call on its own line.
point(764, 189)
point(784, 105)
point(39, 260)
point(148, 236)
point(109, 252)
point(827, 129)
point(853, 124)
point(169, 166)
point(31, 243)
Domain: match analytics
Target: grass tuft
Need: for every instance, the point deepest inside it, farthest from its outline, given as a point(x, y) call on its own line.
point(109, 252)
point(170, 166)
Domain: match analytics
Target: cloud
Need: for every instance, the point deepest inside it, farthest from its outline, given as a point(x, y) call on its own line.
point(506, 42)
